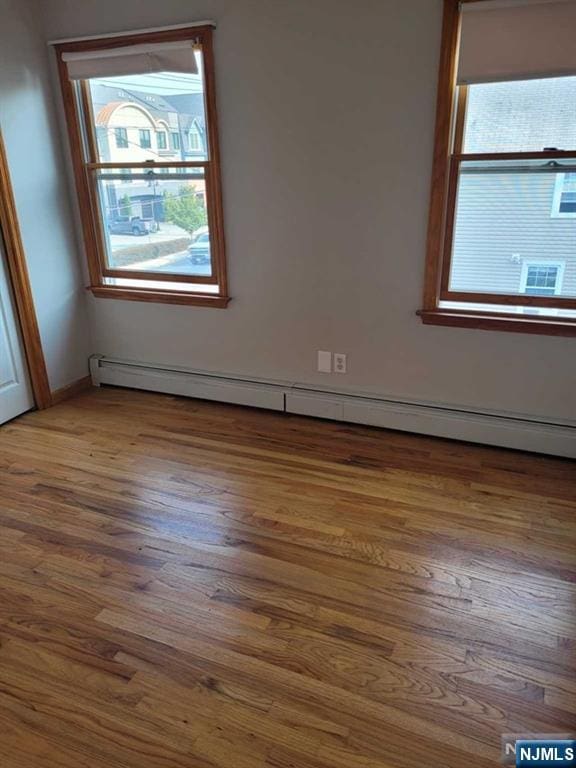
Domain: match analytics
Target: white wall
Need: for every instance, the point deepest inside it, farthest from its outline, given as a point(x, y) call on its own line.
point(33, 147)
point(327, 112)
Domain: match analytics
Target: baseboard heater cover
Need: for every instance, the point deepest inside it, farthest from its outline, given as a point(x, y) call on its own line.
point(501, 429)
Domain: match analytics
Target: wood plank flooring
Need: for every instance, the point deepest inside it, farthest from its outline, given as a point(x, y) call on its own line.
point(187, 585)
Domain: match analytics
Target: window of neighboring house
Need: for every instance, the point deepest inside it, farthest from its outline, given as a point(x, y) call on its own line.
point(145, 139)
point(169, 202)
point(564, 203)
point(121, 135)
point(194, 139)
point(505, 153)
point(541, 278)
point(161, 140)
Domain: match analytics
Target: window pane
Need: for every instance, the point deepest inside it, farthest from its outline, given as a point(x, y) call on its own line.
point(523, 116)
point(506, 238)
point(157, 222)
point(146, 117)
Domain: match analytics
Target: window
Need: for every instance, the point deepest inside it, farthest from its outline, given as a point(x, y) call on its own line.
point(194, 139)
point(564, 204)
point(142, 212)
point(121, 138)
point(500, 237)
point(542, 279)
point(145, 141)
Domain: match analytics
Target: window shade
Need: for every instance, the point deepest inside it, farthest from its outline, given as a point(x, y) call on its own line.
point(132, 60)
point(517, 40)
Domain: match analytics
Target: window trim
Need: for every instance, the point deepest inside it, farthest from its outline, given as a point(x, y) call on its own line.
point(83, 149)
point(449, 131)
point(557, 200)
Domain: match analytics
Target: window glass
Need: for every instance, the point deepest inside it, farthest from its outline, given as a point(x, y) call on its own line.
point(128, 110)
point(161, 140)
point(541, 279)
point(121, 138)
point(521, 116)
point(503, 223)
point(157, 223)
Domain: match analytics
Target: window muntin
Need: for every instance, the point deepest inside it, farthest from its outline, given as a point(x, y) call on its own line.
point(145, 233)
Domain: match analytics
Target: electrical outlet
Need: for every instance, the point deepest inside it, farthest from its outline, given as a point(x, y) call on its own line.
point(325, 362)
point(340, 362)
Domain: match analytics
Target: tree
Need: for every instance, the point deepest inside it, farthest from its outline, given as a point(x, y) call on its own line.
point(185, 209)
point(125, 206)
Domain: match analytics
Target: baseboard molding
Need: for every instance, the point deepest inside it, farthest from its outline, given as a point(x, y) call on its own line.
point(71, 390)
point(507, 430)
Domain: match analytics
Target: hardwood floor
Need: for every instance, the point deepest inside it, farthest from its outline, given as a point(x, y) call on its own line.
point(185, 584)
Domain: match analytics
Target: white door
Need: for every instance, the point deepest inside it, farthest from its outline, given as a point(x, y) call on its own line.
point(15, 391)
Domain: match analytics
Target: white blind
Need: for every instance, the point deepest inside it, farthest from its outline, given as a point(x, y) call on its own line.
point(517, 40)
point(132, 60)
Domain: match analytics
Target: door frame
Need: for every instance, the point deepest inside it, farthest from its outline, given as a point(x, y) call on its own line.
point(20, 281)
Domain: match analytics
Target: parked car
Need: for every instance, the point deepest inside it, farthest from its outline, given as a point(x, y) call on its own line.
point(199, 249)
point(131, 225)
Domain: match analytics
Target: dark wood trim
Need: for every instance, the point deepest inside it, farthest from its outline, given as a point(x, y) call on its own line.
point(19, 278)
point(168, 277)
point(460, 126)
point(498, 322)
point(85, 166)
point(510, 299)
point(448, 240)
point(71, 390)
point(148, 165)
point(80, 176)
point(555, 154)
point(442, 148)
point(160, 297)
point(214, 170)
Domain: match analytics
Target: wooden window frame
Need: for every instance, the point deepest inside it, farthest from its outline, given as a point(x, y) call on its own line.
point(85, 161)
point(448, 142)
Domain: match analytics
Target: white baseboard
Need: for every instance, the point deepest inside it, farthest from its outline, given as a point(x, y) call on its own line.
point(506, 430)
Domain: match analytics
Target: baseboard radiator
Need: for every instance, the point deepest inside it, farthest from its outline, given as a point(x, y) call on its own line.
point(507, 430)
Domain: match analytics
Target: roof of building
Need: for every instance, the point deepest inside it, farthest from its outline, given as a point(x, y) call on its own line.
point(189, 106)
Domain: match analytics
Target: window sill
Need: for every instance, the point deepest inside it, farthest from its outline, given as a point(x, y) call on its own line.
point(497, 322)
point(159, 297)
